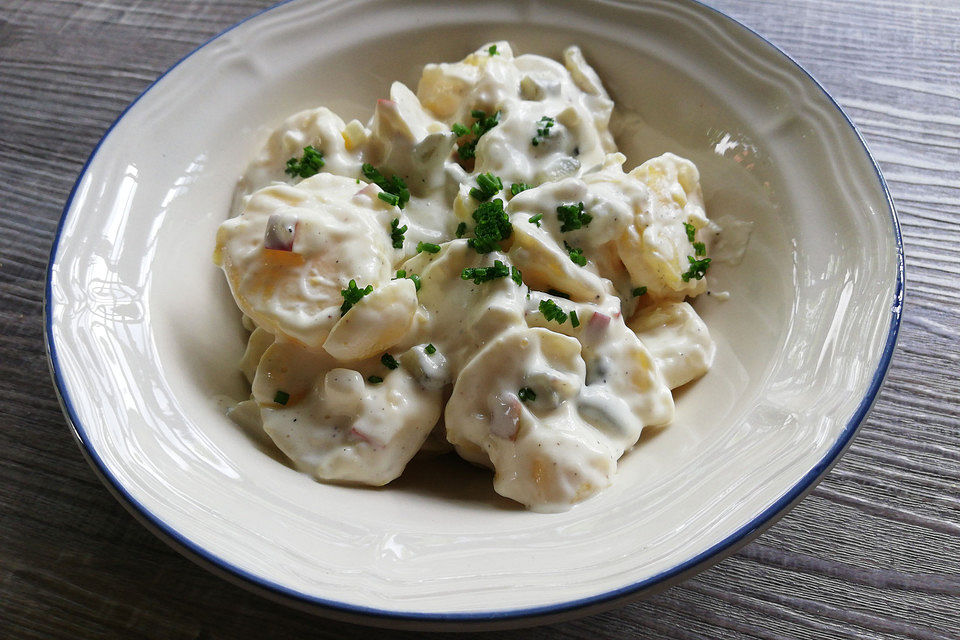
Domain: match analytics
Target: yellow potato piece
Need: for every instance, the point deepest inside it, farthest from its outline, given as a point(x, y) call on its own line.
point(337, 425)
point(376, 323)
point(340, 236)
point(655, 248)
point(546, 266)
point(544, 454)
point(678, 339)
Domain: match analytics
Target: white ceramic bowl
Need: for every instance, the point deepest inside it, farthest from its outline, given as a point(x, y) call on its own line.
point(143, 336)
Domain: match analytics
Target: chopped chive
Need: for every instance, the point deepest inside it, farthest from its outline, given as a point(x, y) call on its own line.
point(535, 219)
point(576, 255)
point(574, 320)
point(375, 379)
point(572, 216)
point(429, 247)
point(468, 148)
point(352, 295)
point(395, 185)
point(488, 185)
point(402, 273)
point(309, 164)
point(526, 394)
point(639, 291)
point(479, 275)
point(492, 50)
point(517, 187)
point(389, 198)
point(543, 130)
point(430, 349)
point(516, 276)
point(389, 361)
point(281, 397)
point(690, 229)
point(700, 248)
point(493, 225)
point(396, 231)
point(461, 229)
point(698, 269)
point(552, 311)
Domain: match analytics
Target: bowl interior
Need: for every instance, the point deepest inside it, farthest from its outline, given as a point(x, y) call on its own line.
point(146, 339)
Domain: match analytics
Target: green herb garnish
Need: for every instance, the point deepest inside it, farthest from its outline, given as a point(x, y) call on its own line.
point(402, 273)
point(389, 361)
point(576, 255)
point(526, 394)
point(700, 248)
point(698, 269)
point(639, 291)
point(352, 295)
point(574, 319)
point(394, 186)
point(389, 198)
point(690, 229)
point(468, 148)
point(309, 164)
point(479, 275)
point(493, 225)
point(535, 219)
point(559, 294)
point(281, 397)
point(488, 185)
point(396, 232)
point(516, 276)
point(517, 187)
point(552, 311)
point(492, 50)
point(430, 349)
point(572, 216)
point(429, 247)
point(543, 130)
point(374, 379)
point(461, 229)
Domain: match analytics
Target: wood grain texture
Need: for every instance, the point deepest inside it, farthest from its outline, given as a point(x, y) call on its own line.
point(872, 553)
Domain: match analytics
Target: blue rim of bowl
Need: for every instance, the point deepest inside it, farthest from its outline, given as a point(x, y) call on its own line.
point(369, 614)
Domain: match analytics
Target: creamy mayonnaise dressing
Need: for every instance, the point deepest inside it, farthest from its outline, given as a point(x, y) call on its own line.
point(537, 323)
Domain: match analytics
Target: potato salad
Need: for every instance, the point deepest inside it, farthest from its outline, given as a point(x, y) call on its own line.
point(473, 269)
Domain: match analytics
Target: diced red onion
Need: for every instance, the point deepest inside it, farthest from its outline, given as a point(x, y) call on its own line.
point(386, 109)
point(505, 416)
point(369, 191)
point(365, 437)
point(598, 321)
point(281, 230)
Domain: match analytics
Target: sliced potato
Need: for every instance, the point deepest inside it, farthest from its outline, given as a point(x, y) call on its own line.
point(678, 339)
point(334, 422)
point(376, 323)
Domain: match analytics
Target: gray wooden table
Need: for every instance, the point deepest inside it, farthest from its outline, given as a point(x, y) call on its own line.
point(874, 552)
